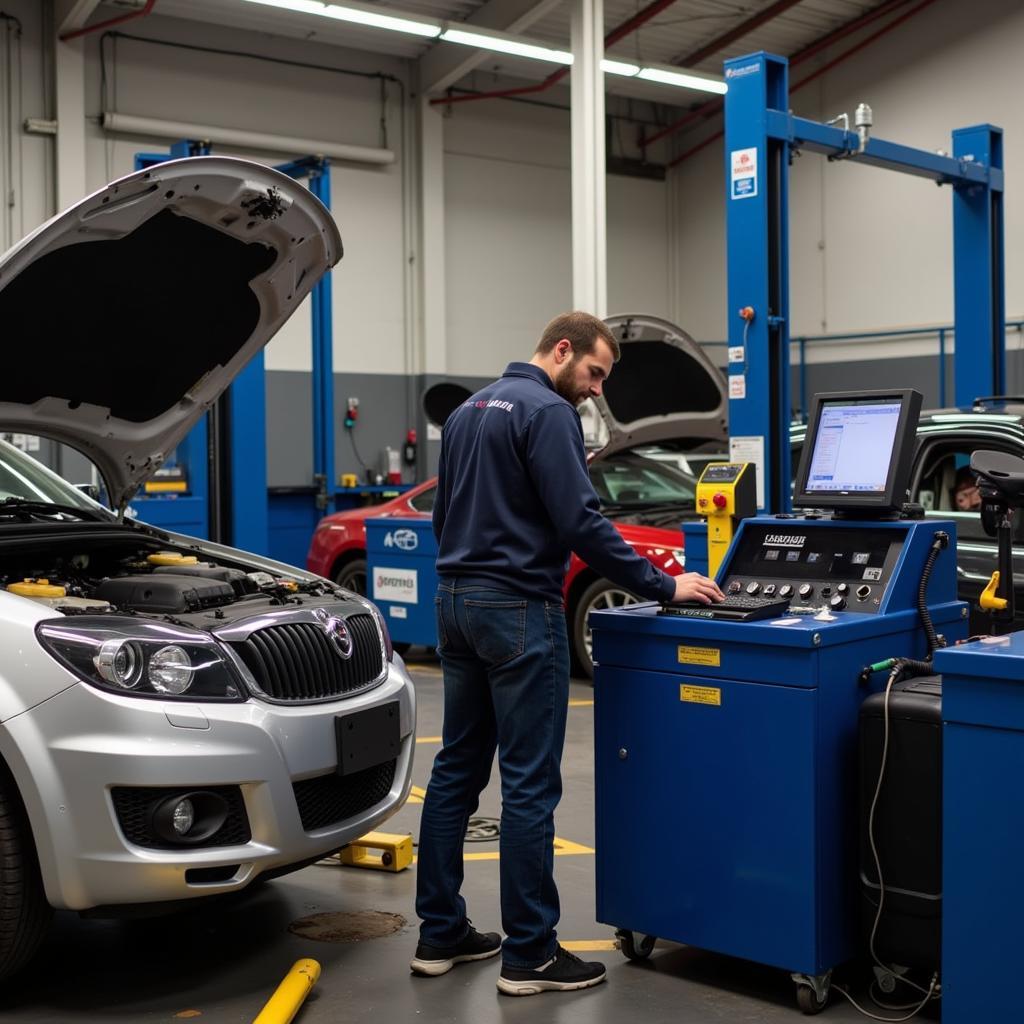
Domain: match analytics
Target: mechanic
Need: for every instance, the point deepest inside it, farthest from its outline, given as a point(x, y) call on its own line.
point(514, 498)
point(966, 495)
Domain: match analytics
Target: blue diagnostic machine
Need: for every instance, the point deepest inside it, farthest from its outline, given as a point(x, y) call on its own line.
point(726, 736)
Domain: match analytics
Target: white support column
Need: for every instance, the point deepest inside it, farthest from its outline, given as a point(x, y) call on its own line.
point(589, 245)
point(432, 241)
point(69, 70)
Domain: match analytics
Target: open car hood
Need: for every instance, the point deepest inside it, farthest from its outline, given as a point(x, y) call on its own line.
point(128, 314)
point(663, 388)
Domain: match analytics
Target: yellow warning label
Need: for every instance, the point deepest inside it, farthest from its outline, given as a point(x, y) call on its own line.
point(699, 655)
point(700, 694)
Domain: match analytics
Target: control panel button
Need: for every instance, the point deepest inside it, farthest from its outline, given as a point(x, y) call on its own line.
point(753, 587)
point(720, 500)
point(863, 592)
point(837, 603)
point(734, 587)
point(806, 590)
point(843, 588)
point(769, 589)
point(785, 590)
point(826, 590)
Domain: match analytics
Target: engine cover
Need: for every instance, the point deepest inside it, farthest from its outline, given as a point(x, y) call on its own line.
point(165, 593)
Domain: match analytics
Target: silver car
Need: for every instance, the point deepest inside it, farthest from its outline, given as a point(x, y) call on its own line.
point(177, 718)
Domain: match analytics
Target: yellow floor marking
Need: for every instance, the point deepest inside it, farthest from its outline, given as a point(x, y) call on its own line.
point(563, 848)
point(589, 945)
point(416, 795)
point(428, 739)
point(581, 703)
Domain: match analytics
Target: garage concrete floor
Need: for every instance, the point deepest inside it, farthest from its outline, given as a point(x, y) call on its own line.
point(220, 962)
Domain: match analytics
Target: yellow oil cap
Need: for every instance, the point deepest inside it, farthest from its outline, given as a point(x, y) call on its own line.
point(36, 588)
point(172, 558)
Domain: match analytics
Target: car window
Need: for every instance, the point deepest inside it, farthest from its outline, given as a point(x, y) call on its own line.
point(21, 476)
point(630, 479)
point(942, 482)
point(424, 501)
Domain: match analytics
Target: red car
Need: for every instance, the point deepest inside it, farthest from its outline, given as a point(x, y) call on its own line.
point(661, 418)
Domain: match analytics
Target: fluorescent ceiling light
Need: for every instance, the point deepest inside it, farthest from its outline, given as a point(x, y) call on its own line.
point(618, 67)
point(683, 80)
point(358, 15)
point(503, 44)
point(373, 18)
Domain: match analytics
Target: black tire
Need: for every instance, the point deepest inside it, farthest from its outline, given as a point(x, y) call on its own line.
point(24, 913)
point(600, 594)
point(808, 1001)
point(633, 950)
point(352, 576)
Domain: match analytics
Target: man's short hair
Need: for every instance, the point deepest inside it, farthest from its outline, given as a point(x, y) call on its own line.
point(581, 330)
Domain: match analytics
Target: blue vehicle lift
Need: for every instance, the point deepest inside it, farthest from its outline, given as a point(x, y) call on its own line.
point(228, 499)
point(761, 136)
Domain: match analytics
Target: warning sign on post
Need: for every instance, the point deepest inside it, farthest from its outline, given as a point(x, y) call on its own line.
point(743, 173)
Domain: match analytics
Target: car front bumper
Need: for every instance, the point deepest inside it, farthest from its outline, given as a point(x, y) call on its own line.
point(69, 753)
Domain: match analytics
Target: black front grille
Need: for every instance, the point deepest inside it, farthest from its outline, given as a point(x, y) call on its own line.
point(331, 799)
point(134, 806)
point(297, 661)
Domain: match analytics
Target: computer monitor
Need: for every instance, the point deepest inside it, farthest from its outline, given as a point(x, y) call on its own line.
point(858, 451)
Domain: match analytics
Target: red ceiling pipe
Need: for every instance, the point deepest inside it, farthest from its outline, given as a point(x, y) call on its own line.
point(820, 71)
point(713, 106)
point(721, 42)
point(119, 20)
point(617, 33)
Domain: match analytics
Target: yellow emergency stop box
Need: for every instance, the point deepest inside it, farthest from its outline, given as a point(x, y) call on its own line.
point(726, 493)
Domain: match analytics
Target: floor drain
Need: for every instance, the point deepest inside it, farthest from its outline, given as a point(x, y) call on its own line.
point(339, 926)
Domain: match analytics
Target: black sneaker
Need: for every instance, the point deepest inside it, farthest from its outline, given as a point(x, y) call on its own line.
point(435, 960)
point(564, 972)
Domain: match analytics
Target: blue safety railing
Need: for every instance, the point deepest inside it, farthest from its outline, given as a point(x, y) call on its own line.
point(941, 334)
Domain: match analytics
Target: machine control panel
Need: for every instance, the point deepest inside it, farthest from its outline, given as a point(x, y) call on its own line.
point(843, 568)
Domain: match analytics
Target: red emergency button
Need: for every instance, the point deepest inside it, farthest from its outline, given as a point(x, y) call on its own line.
point(720, 500)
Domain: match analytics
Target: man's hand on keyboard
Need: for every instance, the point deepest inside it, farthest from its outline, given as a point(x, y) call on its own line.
point(691, 586)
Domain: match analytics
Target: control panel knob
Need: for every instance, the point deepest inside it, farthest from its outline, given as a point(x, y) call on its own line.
point(734, 587)
point(806, 590)
point(769, 589)
point(753, 587)
point(785, 590)
point(863, 592)
point(837, 603)
point(720, 500)
point(843, 588)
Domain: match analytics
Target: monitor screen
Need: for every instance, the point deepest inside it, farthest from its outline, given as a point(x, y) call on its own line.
point(853, 447)
point(858, 450)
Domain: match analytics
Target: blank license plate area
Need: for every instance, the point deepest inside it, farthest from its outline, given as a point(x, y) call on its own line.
point(367, 738)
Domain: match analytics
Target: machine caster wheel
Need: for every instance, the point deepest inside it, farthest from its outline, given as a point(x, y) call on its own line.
point(633, 950)
point(812, 992)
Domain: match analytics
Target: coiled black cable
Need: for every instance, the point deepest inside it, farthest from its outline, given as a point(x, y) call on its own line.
point(940, 541)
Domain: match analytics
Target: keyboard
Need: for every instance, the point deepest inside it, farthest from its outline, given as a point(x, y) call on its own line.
point(735, 608)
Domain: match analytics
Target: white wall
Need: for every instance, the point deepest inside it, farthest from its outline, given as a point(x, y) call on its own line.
point(508, 233)
point(872, 249)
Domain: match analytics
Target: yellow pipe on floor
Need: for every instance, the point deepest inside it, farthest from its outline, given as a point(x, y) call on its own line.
point(291, 993)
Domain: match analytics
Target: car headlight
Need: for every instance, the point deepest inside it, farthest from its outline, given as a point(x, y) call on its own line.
point(141, 658)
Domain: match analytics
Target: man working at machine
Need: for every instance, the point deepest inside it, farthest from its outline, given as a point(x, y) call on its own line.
point(514, 498)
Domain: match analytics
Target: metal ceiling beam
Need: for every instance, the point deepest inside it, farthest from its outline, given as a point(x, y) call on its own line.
point(442, 66)
point(691, 60)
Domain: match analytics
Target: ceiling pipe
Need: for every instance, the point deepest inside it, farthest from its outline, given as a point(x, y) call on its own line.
point(885, 30)
point(712, 107)
point(619, 32)
point(119, 20)
point(691, 60)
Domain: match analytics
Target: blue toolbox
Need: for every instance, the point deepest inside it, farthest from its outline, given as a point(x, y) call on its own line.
point(401, 576)
point(726, 736)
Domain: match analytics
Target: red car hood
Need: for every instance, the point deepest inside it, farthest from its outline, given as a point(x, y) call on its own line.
point(651, 536)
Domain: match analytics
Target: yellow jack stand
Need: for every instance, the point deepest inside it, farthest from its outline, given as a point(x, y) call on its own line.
point(394, 852)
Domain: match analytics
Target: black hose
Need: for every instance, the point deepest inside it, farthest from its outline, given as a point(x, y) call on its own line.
point(940, 541)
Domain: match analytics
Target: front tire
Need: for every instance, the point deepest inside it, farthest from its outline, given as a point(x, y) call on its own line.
point(600, 595)
point(24, 913)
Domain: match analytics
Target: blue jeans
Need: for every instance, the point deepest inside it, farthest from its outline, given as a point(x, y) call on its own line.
point(506, 685)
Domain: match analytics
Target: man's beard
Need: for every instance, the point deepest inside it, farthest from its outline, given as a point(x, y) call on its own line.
point(565, 383)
